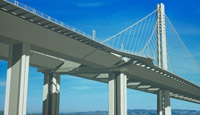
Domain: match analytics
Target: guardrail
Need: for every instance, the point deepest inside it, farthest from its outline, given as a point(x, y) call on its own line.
point(25, 7)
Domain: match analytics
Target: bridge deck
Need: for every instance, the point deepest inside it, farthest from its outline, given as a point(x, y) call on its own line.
point(52, 44)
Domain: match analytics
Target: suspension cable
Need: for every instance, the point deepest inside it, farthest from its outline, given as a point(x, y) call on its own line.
point(130, 26)
point(149, 39)
point(170, 58)
point(183, 43)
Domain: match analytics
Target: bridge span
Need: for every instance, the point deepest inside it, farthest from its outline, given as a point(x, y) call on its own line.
point(30, 38)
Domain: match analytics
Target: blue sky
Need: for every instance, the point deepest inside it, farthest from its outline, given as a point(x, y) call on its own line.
point(107, 18)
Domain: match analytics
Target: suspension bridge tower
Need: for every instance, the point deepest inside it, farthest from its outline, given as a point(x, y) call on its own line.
point(163, 97)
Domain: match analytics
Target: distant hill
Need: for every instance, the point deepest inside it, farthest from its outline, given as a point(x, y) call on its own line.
point(138, 112)
point(129, 112)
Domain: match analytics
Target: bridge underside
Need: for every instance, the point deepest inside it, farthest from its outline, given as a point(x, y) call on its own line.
point(150, 81)
point(56, 49)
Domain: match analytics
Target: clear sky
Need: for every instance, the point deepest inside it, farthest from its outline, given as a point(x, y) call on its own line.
point(107, 17)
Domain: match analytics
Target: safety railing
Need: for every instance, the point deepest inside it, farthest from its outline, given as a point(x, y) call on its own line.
point(27, 8)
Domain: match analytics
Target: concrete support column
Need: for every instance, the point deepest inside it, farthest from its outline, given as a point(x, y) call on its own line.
point(167, 103)
point(160, 103)
point(17, 79)
point(117, 94)
point(51, 94)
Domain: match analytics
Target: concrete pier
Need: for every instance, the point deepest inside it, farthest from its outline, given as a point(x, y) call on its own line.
point(167, 103)
point(17, 79)
point(117, 94)
point(160, 103)
point(51, 94)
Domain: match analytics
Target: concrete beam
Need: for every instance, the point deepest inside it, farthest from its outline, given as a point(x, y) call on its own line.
point(103, 76)
point(117, 94)
point(43, 61)
point(133, 83)
point(51, 94)
point(17, 79)
point(67, 66)
point(144, 86)
point(153, 89)
point(4, 49)
point(37, 59)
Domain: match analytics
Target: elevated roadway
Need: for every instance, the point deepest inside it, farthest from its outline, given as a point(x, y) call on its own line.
point(56, 48)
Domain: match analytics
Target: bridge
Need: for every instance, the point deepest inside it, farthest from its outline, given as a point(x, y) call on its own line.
point(136, 58)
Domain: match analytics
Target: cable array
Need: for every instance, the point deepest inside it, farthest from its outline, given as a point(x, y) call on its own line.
point(134, 38)
point(141, 39)
point(180, 60)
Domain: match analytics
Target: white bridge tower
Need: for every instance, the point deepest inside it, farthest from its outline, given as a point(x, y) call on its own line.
point(163, 97)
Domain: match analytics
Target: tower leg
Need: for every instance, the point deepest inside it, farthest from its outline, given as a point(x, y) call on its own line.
point(17, 79)
point(117, 94)
point(167, 103)
point(51, 94)
point(163, 40)
point(160, 103)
